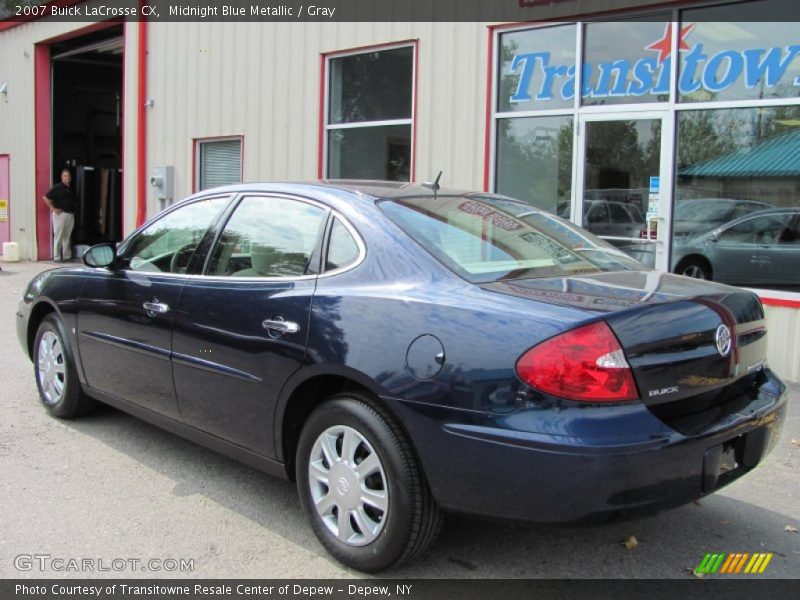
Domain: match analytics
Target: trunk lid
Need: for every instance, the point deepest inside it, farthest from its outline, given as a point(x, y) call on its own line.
point(687, 340)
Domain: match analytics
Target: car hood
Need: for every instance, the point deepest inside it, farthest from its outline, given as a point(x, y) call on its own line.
point(685, 231)
point(694, 241)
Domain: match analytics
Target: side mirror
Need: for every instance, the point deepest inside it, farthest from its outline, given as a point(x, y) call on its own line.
point(100, 256)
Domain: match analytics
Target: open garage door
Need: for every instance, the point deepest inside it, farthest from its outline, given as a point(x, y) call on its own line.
point(87, 123)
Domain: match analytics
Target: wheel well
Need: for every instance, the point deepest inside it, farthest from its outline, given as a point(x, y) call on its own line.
point(698, 258)
point(39, 312)
point(308, 395)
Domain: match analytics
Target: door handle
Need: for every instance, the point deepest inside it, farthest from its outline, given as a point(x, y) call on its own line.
point(280, 325)
point(155, 307)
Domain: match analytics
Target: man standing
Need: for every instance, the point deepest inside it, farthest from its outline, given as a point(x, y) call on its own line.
point(61, 200)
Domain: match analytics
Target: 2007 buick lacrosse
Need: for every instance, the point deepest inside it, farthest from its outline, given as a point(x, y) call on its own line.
point(403, 351)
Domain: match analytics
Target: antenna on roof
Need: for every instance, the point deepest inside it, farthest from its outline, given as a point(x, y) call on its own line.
point(433, 185)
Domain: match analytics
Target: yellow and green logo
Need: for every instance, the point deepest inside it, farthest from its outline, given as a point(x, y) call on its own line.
point(735, 562)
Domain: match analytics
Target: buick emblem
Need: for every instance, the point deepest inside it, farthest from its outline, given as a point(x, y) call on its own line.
point(723, 340)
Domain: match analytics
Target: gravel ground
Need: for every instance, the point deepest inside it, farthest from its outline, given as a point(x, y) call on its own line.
point(110, 486)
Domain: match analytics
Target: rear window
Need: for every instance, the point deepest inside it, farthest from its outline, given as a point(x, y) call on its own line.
point(485, 238)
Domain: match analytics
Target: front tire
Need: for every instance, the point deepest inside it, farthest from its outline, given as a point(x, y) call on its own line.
point(362, 487)
point(56, 376)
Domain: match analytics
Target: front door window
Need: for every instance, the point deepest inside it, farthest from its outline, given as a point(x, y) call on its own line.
point(167, 245)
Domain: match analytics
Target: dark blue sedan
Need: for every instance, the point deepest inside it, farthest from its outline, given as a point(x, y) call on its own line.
point(403, 351)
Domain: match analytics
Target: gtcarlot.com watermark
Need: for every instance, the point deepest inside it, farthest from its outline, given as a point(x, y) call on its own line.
point(47, 563)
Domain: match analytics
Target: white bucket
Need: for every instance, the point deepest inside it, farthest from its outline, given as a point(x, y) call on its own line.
point(10, 252)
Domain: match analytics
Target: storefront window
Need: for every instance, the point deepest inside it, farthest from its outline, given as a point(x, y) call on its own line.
point(537, 69)
point(737, 196)
point(731, 202)
point(370, 104)
point(534, 161)
point(722, 60)
point(627, 61)
point(622, 157)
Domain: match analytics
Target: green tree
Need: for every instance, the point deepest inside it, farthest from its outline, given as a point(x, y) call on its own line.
point(703, 135)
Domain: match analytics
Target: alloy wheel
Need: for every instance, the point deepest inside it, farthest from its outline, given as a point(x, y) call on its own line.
point(52, 368)
point(348, 485)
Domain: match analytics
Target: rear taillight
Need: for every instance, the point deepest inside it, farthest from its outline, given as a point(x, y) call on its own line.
point(585, 364)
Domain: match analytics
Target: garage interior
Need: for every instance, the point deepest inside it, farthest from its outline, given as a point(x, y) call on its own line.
point(87, 131)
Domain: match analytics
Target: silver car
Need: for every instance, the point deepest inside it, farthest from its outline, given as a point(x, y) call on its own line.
point(761, 248)
point(700, 215)
point(613, 218)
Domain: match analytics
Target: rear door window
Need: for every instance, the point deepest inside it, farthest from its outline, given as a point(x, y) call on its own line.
point(269, 237)
point(343, 249)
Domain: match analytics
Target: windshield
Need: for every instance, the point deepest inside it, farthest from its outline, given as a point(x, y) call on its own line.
point(487, 238)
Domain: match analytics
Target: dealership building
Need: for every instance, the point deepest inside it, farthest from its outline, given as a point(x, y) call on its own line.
point(660, 126)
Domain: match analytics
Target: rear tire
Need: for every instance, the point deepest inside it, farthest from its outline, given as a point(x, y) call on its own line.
point(362, 487)
point(55, 373)
point(695, 268)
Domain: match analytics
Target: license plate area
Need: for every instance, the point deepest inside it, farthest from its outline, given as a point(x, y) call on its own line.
point(726, 461)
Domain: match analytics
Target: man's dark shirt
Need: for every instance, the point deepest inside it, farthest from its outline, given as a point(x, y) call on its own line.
point(62, 197)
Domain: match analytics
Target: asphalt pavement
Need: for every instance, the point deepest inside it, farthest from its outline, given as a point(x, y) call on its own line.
point(112, 488)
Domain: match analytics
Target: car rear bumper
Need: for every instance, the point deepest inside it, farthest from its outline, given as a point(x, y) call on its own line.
point(512, 467)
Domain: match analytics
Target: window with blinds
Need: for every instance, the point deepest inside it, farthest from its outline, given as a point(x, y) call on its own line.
point(219, 162)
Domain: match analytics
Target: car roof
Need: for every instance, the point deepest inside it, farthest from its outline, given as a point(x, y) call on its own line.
point(773, 211)
point(374, 189)
point(761, 213)
point(604, 201)
point(721, 201)
point(349, 196)
point(390, 189)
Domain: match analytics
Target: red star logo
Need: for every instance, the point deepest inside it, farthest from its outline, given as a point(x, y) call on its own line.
point(664, 45)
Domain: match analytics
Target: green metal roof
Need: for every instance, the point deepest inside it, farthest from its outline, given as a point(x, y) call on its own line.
point(778, 156)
